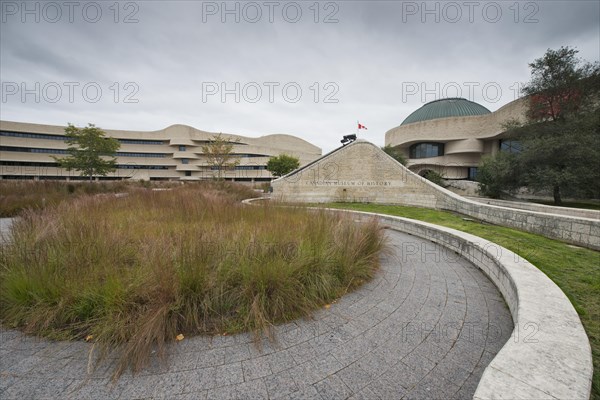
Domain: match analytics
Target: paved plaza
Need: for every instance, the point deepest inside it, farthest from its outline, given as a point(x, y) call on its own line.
point(424, 328)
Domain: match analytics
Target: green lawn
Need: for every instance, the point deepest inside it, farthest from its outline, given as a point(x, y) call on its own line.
point(572, 204)
point(575, 270)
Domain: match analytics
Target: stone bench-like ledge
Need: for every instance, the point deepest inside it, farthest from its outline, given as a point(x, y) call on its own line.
point(548, 355)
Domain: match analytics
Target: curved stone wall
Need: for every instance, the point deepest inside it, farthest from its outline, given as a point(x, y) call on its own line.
point(569, 211)
point(548, 355)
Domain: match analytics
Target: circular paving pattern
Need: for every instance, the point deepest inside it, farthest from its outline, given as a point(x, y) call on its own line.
point(424, 328)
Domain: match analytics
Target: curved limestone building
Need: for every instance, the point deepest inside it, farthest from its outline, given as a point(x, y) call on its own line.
point(173, 153)
point(449, 136)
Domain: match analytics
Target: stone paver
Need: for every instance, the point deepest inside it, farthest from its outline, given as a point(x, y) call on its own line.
point(425, 327)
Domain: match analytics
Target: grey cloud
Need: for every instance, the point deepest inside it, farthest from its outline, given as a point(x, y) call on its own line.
point(371, 54)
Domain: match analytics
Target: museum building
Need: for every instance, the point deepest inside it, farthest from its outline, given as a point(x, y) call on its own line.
point(173, 153)
point(449, 136)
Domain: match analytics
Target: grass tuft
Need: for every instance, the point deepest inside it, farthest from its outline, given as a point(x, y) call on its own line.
point(134, 272)
point(17, 196)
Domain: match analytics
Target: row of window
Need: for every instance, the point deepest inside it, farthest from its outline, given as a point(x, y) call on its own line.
point(53, 164)
point(140, 141)
point(426, 150)
point(63, 137)
point(242, 167)
point(32, 150)
point(249, 155)
point(153, 155)
point(63, 151)
point(122, 141)
point(64, 178)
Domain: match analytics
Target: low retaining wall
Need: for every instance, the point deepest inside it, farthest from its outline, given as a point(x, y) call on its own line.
point(548, 355)
point(568, 211)
point(579, 231)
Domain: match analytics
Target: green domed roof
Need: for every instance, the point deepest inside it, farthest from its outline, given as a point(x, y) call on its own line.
point(443, 108)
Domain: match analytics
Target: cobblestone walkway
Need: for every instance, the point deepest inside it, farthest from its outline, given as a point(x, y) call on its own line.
point(424, 328)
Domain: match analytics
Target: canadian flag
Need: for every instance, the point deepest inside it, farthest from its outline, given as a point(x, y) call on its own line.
point(361, 126)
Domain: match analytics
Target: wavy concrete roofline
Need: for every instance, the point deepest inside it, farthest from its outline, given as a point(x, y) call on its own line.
point(168, 132)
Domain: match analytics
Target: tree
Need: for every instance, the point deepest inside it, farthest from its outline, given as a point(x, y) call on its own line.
point(498, 174)
point(218, 151)
point(560, 85)
point(89, 151)
point(560, 138)
point(563, 156)
point(282, 164)
point(395, 153)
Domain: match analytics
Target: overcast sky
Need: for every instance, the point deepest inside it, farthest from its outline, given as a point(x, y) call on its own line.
point(254, 68)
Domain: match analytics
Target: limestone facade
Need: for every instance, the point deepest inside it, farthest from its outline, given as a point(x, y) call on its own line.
point(173, 153)
point(466, 139)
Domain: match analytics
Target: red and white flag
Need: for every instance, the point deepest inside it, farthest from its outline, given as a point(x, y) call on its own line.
point(360, 126)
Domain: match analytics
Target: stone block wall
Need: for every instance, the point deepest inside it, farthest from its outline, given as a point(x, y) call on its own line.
point(362, 172)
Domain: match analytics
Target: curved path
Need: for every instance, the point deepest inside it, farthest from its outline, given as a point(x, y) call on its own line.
point(425, 327)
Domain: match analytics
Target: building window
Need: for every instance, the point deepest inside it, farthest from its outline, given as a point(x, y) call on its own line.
point(138, 141)
point(188, 173)
point(32, 150)
point(63, 137)
point(129, 154)
point(185, 161)
point(64, 151)
point(33, 135)
point(510, 146)
point(426, 150)
point(181, 147)
point(472, 174)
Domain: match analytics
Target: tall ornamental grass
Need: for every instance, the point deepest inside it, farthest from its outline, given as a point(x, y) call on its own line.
point(131, 273)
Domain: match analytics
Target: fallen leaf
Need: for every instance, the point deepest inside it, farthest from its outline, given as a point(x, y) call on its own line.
point(179, 337)
point(224, 333)
point(327, 306)
point(89, 337)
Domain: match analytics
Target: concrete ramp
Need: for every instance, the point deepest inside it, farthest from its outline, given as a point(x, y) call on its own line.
point(362, 172)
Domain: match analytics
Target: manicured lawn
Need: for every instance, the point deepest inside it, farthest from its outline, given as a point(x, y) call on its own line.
point(575, 270)
point(132, 273)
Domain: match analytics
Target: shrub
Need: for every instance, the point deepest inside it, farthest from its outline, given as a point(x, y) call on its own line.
point(434, 177)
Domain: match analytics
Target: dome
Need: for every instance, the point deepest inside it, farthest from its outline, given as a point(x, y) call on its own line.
point(443, 108)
